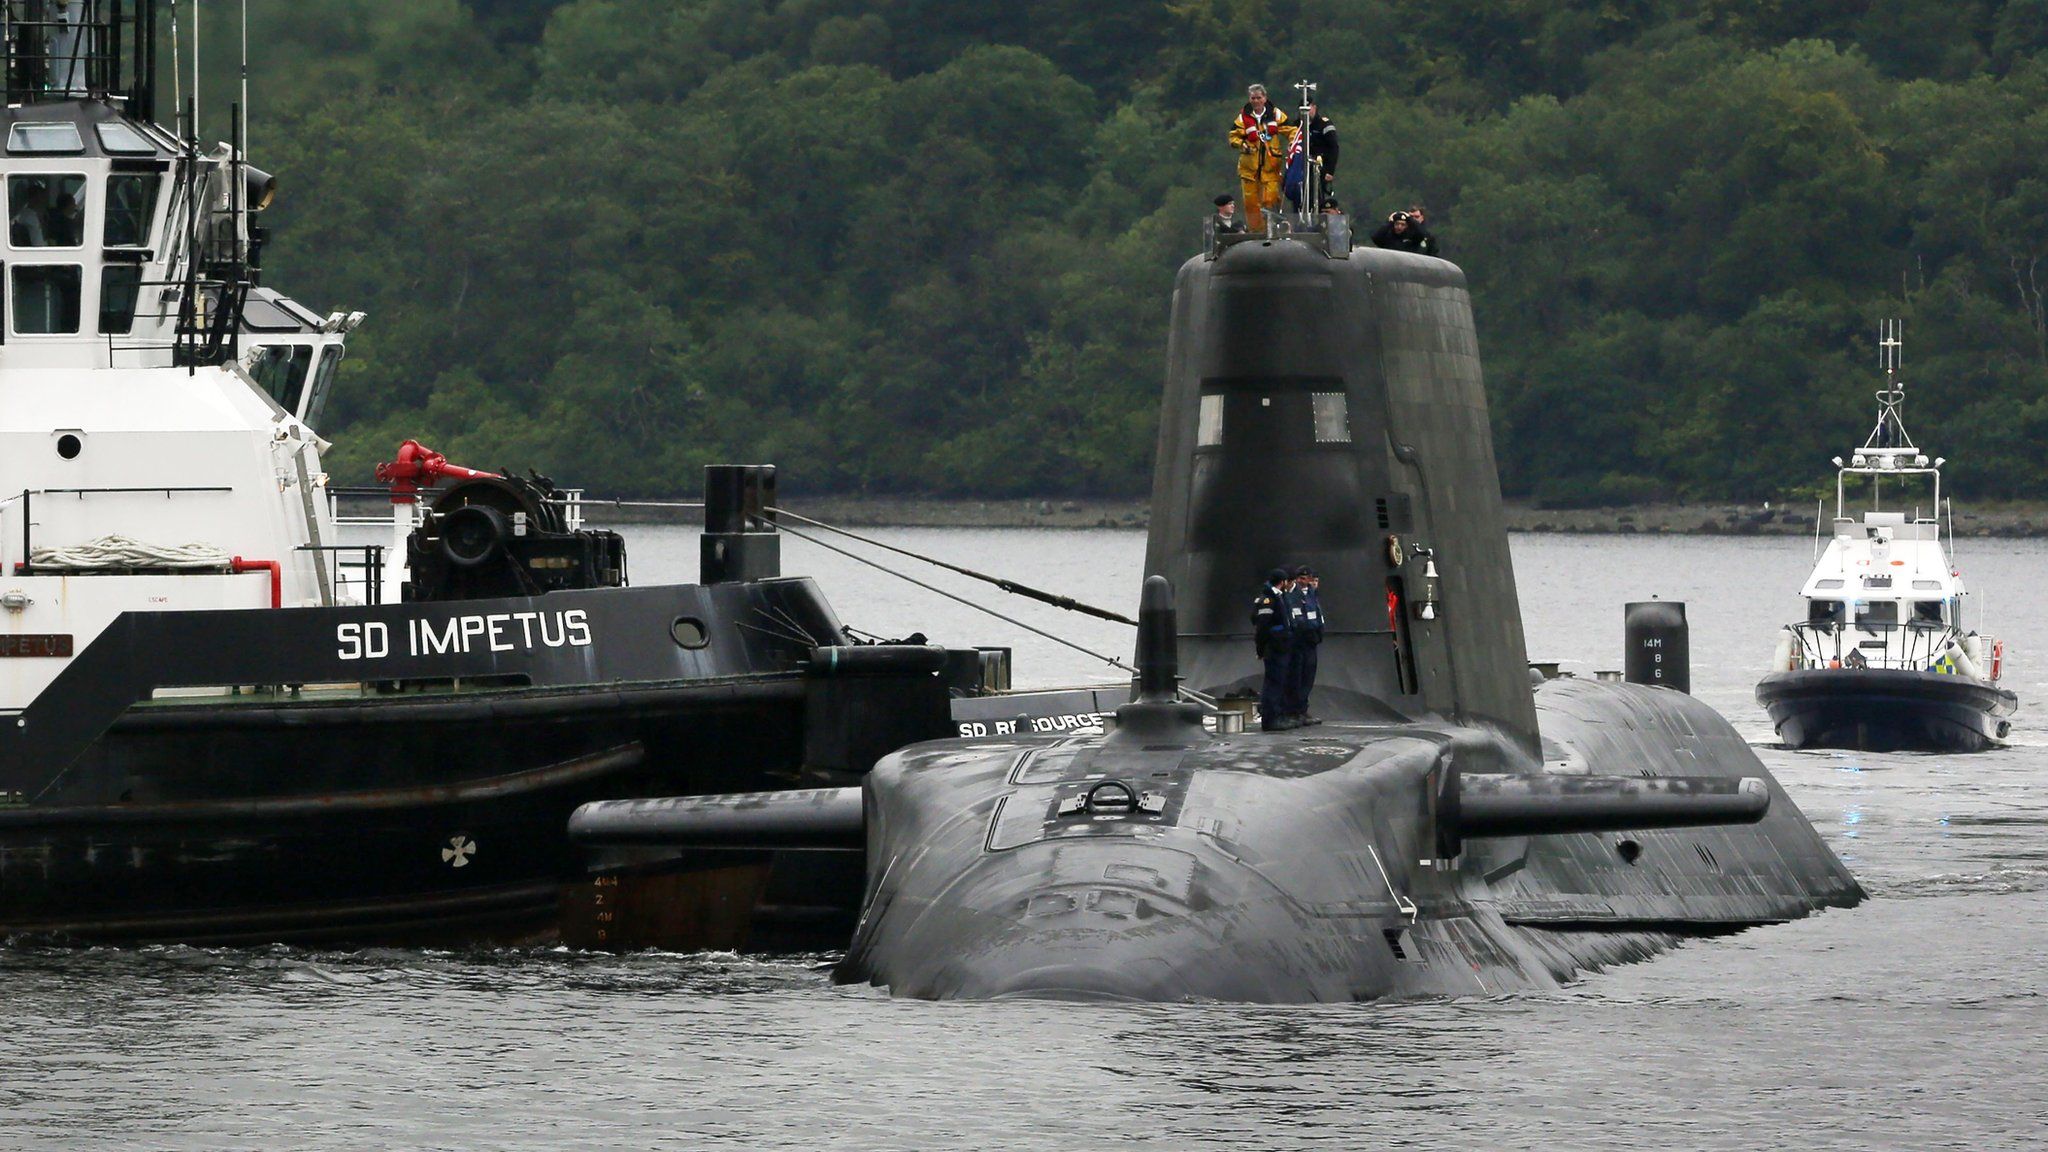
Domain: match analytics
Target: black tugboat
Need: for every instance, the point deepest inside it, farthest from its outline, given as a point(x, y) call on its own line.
point(222, 725)
point(1450, 830)
point(1885, 661)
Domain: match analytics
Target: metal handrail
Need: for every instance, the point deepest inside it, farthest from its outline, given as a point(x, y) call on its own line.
point(371, 565)
point(1824, 644)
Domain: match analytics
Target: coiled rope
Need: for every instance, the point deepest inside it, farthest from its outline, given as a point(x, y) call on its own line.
point(114, 552)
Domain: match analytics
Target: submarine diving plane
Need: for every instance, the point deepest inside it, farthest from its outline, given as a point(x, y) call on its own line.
point(1452, 829)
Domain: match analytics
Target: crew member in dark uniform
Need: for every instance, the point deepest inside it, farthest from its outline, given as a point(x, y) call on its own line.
point(1397, 233)
point(1418, 228)
point(1305, 625)
point(1273, 638)
point(1226, 220)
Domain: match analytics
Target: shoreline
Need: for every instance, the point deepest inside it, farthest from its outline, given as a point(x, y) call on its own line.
point(2023, 519)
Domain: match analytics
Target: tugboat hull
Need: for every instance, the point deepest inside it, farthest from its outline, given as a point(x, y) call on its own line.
point(1885, 710)
point(417, 810)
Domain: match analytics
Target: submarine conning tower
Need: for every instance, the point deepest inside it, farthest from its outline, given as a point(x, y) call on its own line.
point(1324, 406)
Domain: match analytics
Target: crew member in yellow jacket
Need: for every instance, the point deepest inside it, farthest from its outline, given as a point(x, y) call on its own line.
point(1260, 134)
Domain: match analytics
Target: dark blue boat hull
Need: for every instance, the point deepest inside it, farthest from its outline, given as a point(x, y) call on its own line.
point(1885, 710)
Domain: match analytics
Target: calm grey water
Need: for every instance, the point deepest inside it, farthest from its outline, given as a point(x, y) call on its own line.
point(1914, 1021)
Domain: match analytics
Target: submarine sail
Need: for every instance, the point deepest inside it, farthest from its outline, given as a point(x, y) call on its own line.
point(1325, 407)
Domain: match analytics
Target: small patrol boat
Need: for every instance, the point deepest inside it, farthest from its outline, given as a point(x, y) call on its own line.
point(220, 722)
point(1885, 660)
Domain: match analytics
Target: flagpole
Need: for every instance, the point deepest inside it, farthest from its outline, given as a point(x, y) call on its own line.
point(1311, 189)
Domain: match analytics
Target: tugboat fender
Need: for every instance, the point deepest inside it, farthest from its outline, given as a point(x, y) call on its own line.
point(575, 772)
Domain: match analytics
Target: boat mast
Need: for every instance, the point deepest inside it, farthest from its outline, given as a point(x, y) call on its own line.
point(1311, 185)
point(1889, 449)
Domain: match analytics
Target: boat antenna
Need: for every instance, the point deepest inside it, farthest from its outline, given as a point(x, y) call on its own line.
point(1890, 431)
point(242, 145)
point(195, 74)
point(177, 81)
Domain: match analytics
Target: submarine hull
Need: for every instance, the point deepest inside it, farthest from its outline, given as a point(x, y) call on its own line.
point(1450, 830)
point(1885, 710)
point(1291, 868)
point(1325, 407)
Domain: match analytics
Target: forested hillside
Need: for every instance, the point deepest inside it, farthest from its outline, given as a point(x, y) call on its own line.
point(925, 246)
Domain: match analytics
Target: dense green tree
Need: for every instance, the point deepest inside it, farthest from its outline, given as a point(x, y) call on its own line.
point(904, 246)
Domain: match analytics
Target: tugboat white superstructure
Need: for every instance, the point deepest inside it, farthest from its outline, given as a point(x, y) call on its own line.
point(218, 723)
point(1885, 660)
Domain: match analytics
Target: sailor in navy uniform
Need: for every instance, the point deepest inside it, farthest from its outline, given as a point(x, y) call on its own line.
point(1273, 637)
point(1305, 625)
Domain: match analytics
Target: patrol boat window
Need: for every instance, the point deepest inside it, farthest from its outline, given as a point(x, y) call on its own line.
point(1209, 421)
point(131, 209)
point(46, 211)
point(46, 139)
point(1926, 612)
point(120, 284)
point(1824, 612)
point(46, 298)
point(1877, 615)
point(1333, 418)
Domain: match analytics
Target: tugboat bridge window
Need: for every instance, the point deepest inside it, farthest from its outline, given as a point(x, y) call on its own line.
point(46, 210)
point(323, 383)
point(281, 371)
point(46, 298)
point(45, 139)
point(120, 139)
point(120, 284)
point(131, 208)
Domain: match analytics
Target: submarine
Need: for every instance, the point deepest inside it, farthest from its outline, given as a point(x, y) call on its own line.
point(1453, 827)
